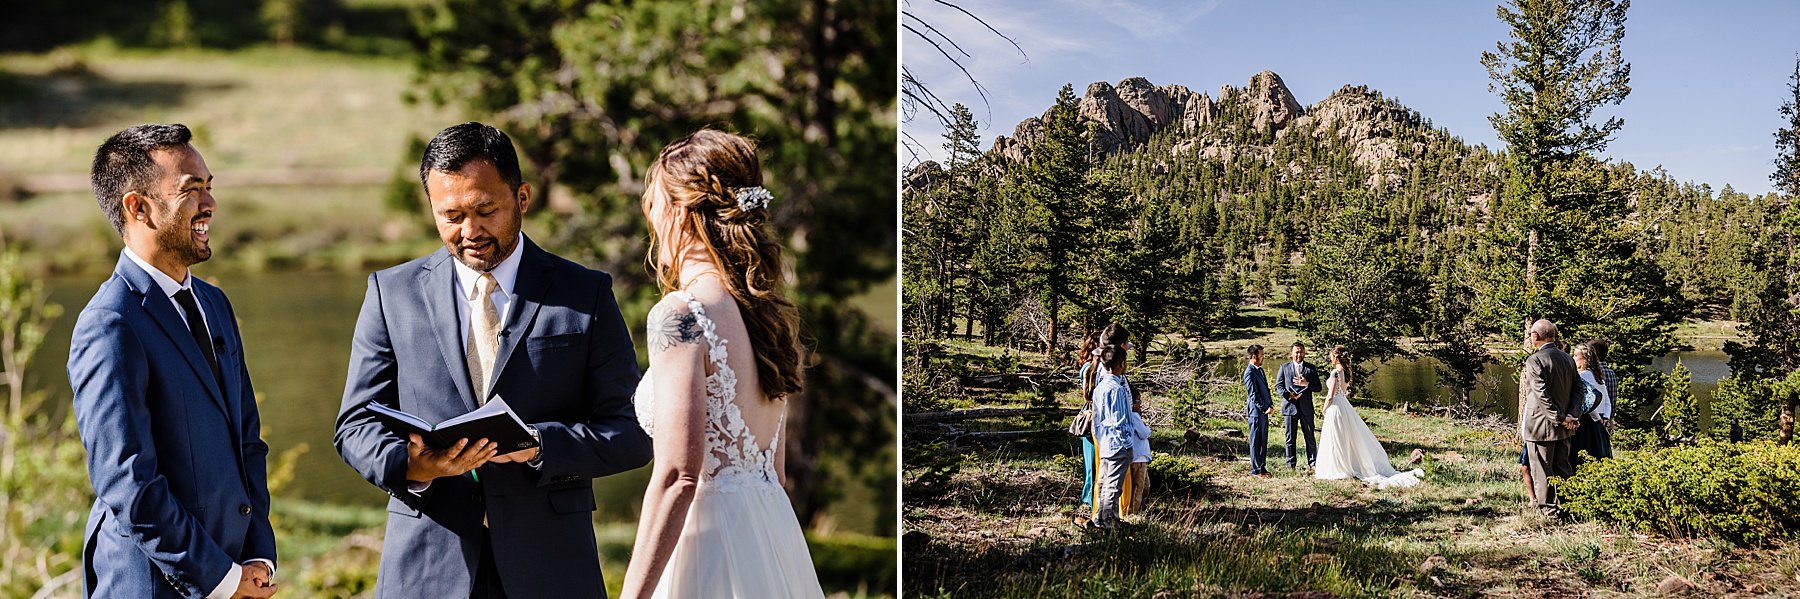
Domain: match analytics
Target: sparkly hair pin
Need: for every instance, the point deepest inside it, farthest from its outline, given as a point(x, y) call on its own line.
point(751, 198)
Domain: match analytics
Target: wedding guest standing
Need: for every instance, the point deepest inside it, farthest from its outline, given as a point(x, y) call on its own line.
point(1138, 483)
point(1604, 413)
point(1592, 436)
point(1085, 379)
point(1546, 422)
point(1258, 406)
point(1113, 434)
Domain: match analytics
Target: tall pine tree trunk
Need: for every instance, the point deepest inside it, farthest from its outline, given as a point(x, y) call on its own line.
point(1050, 348)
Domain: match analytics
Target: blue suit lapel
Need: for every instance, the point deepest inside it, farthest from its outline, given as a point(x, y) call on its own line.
point(437, 287)
point(528, 294)
point(163, 312)
point(212, 301)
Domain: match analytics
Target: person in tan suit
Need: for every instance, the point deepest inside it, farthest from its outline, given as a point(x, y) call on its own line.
point(1547, 382)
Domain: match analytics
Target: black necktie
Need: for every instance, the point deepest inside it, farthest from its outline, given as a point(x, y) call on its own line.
point(197, 326)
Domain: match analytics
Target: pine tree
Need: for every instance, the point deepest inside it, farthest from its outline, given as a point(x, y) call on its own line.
point(1562, 63)
point(1681, 414)
point(1787, 140)
point(1358, 287)
point(1054, 222)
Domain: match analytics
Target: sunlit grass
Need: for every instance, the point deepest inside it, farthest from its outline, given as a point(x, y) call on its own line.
point(1005, 526)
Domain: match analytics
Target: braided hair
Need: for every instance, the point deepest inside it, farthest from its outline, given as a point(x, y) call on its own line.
point(702, 175)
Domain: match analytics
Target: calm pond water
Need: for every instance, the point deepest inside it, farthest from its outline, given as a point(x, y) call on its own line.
point(1414, 380)
point(297, 328)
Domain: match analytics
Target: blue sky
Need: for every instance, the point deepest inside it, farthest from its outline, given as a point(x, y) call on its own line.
point(1707, 77)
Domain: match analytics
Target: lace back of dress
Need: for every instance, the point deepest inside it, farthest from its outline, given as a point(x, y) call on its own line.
point(732, 454)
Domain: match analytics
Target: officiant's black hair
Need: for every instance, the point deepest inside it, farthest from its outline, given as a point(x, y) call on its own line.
point(457, 146)
point(1253, 350)
point(123, 165)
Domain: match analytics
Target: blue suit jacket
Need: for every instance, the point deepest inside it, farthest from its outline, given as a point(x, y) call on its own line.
point(175, 455)
point(1256, 391)
point(1284, 384)
point(565, 364)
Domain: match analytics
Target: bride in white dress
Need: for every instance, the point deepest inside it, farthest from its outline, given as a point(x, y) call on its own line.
point(1347, 449)
point(724, 354)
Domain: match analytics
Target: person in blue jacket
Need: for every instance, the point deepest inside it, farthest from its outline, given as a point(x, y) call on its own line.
point(1258, 406)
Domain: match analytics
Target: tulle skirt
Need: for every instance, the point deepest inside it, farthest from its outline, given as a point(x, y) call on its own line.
point(1348, 449)
point(741, 539)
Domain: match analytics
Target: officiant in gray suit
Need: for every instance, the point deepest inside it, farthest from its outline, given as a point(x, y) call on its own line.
point(1295, 381)
point(490, 315)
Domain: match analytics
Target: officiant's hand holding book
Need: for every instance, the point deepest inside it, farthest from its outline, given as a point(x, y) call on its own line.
point(494, 421)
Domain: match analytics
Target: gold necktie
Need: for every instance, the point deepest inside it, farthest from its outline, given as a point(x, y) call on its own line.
point(484, 337)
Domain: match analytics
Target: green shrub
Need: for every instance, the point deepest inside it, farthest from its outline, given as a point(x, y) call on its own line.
point(1189, 404)
point(1068, 464)
point(1634, 438)
point(1171, 475)
point(1747, 401)
point(1740, 492)
point(930, 468)
point(1682, 414)
point(1005, 363)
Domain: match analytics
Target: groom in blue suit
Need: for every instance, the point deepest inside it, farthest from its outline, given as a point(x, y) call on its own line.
point(1295, 381)
point(162, 397)
point(1257, 408)
point(490, 315)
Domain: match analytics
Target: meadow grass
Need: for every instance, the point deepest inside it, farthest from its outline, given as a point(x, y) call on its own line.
point(1004, 526)
point(255, 108)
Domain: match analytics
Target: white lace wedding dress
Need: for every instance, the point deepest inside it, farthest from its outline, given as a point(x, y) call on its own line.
point(1347, 449)
point(741, 538)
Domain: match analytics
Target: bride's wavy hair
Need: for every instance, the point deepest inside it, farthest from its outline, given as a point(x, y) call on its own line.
point(1341, 357)
point(702, 175)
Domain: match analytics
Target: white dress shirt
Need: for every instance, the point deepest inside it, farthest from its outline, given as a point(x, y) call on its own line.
point(170, 287)
point(506, 273)
point(468, 280)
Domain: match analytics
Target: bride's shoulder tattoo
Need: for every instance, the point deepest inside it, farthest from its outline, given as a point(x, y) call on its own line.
point(670, 326)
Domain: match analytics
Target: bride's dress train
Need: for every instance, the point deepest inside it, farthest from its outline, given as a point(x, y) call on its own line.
point(1348, 449)
point(741, 537)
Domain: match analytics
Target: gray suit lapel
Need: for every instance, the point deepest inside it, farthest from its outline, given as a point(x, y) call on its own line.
point(437, 287)
point(528, 295)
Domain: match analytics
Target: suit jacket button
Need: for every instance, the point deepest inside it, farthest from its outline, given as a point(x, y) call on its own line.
point(243, 510)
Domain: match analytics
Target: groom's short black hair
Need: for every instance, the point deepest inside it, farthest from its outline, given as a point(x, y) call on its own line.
point(1253, 351)
point(457, 146)
point(1298, 344)
point(123, 165)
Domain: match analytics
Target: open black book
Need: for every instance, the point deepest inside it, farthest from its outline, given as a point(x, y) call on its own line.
point(495, 422)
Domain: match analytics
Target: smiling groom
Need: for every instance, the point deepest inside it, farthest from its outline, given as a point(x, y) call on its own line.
point(162, 397)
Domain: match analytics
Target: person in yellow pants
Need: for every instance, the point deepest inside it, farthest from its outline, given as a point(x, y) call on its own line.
point(1137, 481)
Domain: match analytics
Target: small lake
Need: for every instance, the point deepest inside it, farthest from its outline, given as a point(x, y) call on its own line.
point(1414, 380)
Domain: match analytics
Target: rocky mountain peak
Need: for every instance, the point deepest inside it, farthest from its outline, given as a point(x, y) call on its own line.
point(1128, 113)
point(1270, 102)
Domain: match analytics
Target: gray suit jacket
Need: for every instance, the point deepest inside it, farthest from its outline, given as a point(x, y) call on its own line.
point(1547, 382)
point(565, 364)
